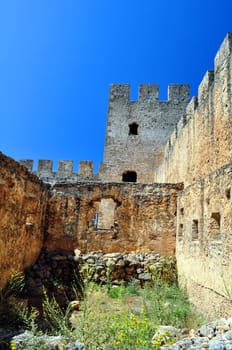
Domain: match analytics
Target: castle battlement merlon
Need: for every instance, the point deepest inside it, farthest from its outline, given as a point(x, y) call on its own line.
point(213, 91)
point(223, 53)
point(65, 169)
point(148, 92)
point(45, 166)
point(204, 87)
point(177, 93)
point(85, 168)
point(119, 92)
point(191, 107)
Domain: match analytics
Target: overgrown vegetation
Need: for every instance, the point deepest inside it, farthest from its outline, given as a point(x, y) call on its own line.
point(110, 320)
point(12, 312)
point(112, 317)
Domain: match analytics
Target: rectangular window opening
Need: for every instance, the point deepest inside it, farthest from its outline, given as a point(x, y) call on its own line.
point(195, 230)
point(180, 232)
point(214, 226)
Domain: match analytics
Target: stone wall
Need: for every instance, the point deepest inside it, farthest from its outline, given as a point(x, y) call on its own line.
point(203, 142)
point(112, 217)
point(89, 216)
point(23, 200)
point(57, 270)
point(204, 240)
point(138, 130)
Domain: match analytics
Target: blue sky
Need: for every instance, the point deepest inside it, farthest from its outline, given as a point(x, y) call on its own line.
point(58, 57)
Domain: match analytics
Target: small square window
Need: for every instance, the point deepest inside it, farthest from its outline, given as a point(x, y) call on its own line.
point(133, 129)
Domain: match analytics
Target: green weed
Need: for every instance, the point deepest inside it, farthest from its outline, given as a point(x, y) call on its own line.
point(106, 320)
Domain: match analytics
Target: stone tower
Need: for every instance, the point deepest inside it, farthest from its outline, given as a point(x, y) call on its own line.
point(137, 131)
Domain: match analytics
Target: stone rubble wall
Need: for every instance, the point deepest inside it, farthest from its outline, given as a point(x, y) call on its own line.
point(203, 142)
point(56, 270)
point(119, 268)
point(23, 199)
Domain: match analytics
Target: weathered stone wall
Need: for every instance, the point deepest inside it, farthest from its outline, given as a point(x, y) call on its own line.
point(203, 142)
point(112, 217)
point(138, 130)
point(204, 240)
point(23, 200)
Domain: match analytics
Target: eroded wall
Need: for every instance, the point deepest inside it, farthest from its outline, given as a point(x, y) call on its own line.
point(202, 142)
point(23, 200)
point(204, 241)
point(112, 217)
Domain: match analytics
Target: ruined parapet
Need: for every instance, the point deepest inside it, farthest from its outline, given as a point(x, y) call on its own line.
point(64, 173)
point(138, 130)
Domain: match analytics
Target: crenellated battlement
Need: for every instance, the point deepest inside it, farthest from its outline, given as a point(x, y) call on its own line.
point(177, 93)
point(65, 171)
point(207, 127)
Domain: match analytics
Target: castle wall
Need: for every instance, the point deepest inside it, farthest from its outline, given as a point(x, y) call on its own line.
point(138, 130)
point(204, 240)
point(203, 142)
point(23, 200)
point(112, 217)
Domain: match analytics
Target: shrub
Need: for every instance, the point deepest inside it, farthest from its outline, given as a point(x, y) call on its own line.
point(129, 331)
point(168, 305)
point(12, 314)
point(107, 322)
point(56, 318)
